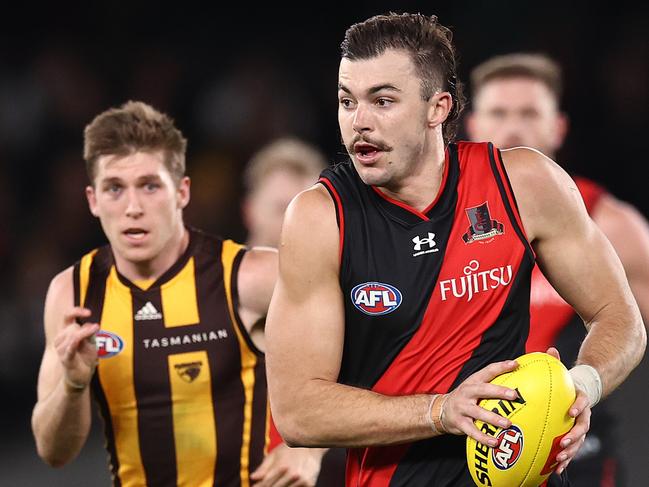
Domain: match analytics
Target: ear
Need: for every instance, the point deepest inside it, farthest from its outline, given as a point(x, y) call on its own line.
point(91, 196)
point(247, 212)
point(440, 105)
point(470, 125)
point(183, 192)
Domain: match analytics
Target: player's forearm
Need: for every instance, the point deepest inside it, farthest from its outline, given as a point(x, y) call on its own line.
point(327, 414)
point(614, 345)
point(61, 423)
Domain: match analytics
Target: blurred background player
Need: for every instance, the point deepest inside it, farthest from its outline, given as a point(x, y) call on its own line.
point(274, 175)
point(177, 369)
point(516, 102)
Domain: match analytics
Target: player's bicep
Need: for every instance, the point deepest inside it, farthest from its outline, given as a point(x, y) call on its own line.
point(584, 269)
point(577, 258)
point(305, 324)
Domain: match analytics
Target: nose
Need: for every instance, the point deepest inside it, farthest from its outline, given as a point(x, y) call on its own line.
point(362, 119)
point(134, 208)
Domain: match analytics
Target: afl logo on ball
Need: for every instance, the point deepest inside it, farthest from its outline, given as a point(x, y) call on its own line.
point(108, 344)
point(376, 298)
point(509, 449)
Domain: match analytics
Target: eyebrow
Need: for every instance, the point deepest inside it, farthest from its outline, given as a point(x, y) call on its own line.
point(373, 89)
point(142, 179)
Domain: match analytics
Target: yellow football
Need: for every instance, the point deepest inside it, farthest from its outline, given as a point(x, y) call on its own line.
point(526, 452)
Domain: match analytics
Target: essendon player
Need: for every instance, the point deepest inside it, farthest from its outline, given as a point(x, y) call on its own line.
point(176, 366)
point(516, 101)
point(405, 274)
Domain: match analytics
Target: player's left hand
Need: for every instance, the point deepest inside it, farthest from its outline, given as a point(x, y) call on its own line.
point(289, 467)
point(572, 441)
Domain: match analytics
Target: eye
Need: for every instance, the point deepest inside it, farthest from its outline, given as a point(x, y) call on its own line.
point(383, 102)
point(114, 188)
point(498, 113)
point(346, 103)
point(151, 187)
point(530, 114)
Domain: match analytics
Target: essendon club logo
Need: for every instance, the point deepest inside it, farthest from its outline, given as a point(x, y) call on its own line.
point(509, 449)
point(189, 371)
point(108, 344)
point(376, 298)
point(482, 225)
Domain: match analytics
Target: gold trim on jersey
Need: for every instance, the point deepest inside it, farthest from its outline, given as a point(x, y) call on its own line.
point(193, 418)
point(84, 275)
point(179, 298)
point(116, 378)
point(248, 358)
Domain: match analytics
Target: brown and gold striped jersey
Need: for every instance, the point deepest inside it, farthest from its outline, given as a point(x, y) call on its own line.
point(180, 385)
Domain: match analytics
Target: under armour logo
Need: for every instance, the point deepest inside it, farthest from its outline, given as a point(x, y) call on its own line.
point(420, 242)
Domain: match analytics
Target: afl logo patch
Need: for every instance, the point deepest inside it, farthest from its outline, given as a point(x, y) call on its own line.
point(108, 344)
point(376, 298)
point(509, 449)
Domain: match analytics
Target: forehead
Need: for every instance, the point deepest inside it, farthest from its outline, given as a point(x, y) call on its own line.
point(131, 166)
point(279, 180)
point(392, 67)
point(513, 91)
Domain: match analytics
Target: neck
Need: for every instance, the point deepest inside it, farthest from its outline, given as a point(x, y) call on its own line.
point(255, 240)
point(420, 187)
point(152, 269)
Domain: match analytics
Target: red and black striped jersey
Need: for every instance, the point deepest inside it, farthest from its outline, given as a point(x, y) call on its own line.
point(180, 385)
point(431, 297)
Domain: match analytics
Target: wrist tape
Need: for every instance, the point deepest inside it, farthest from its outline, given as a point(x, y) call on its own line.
point(587, 379)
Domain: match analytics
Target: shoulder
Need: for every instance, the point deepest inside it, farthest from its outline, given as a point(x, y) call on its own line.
point(617, 215)
point(311, 207)
point(62, 286)
point(625, 227)
point(542, 188)
point(257, 262)
point(60, 297)
point(528, 165)
point(256, 280)
point(310, 237)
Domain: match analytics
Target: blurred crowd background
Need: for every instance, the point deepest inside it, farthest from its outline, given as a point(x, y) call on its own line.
point(234, 79)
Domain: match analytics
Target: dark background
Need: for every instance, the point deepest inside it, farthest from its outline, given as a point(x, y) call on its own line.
point(234, 78)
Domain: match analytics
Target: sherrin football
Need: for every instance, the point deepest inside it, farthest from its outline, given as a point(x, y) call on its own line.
point(526, 452)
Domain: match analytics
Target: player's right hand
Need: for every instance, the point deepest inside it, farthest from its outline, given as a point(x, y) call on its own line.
point(461, 406)
point(76, 349)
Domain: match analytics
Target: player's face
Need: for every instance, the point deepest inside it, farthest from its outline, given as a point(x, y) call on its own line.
point(514, 112)
point(382, 116)
point(138, 204)
point(265, 208)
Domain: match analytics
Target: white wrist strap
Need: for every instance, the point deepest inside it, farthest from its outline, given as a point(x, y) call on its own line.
point(587, 379)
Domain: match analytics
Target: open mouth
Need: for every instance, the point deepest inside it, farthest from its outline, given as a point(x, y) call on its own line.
point(135, 233)
point(366, 151)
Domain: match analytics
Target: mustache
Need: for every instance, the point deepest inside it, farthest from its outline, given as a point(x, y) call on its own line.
point(376, 143)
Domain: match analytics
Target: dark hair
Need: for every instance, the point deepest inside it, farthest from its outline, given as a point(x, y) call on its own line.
point(134, 127)
point(431, 49)
point(519, 65)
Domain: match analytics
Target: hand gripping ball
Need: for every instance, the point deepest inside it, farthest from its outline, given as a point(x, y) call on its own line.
point(526, 452)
